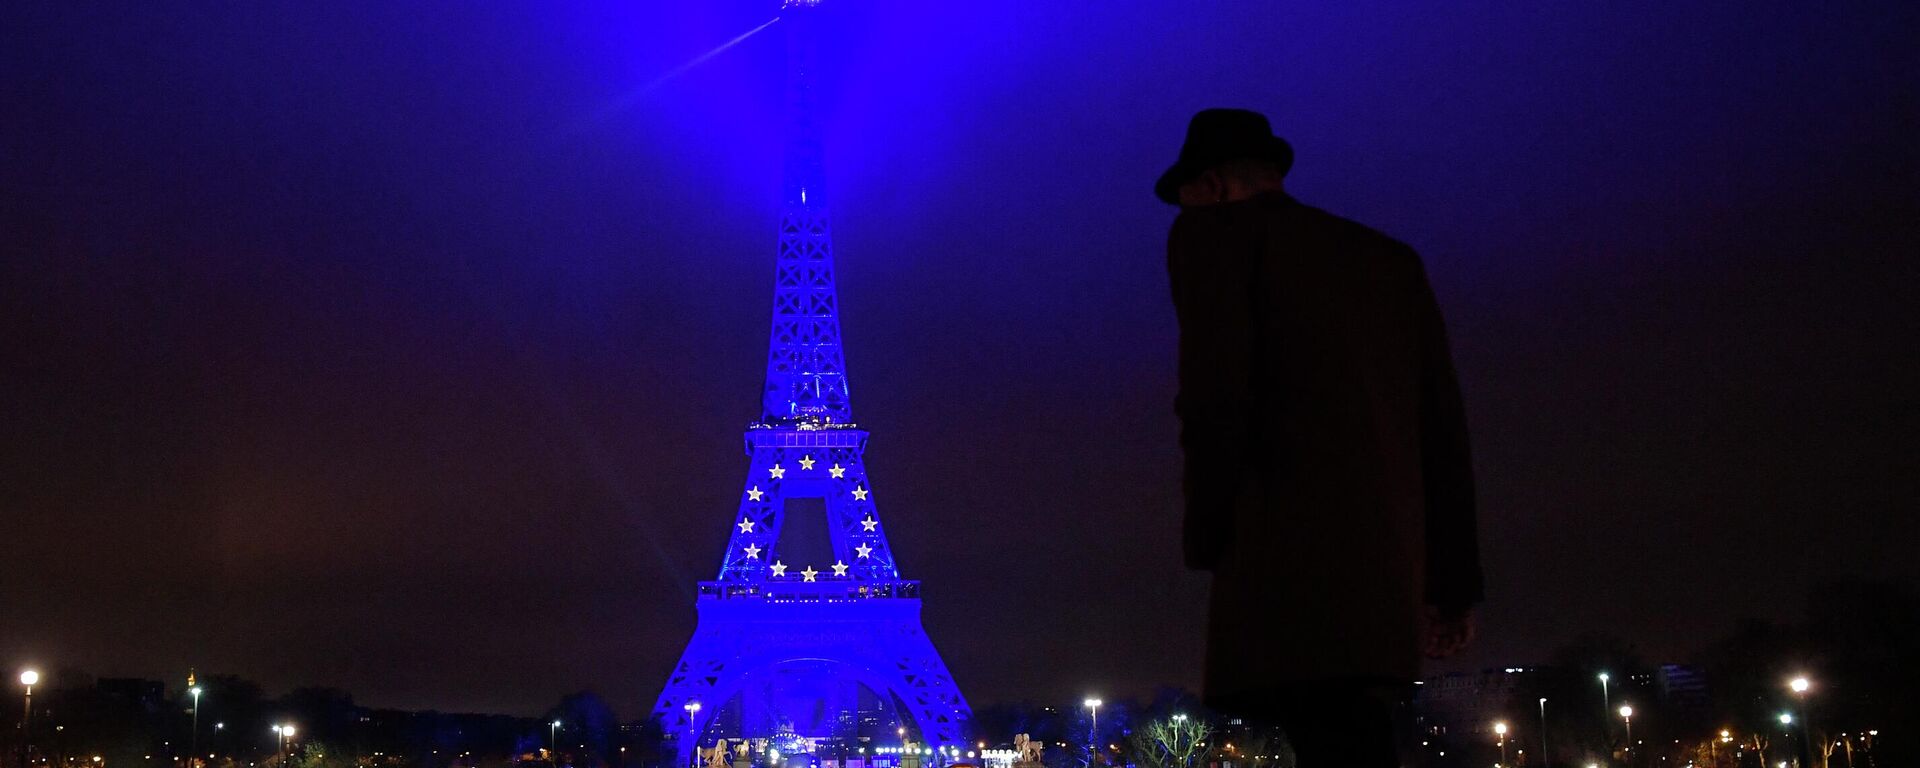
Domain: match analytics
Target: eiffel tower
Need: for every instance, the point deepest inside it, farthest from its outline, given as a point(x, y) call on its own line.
point(785, 641)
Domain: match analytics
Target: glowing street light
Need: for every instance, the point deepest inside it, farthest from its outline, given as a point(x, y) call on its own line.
point(1500, 729)
point(27, 678)
point(194, 738)
point(1093, 731)
point(285, 732)
point(1606, 705)
point(1800, 685)
point(1543, 730)
point(693, 738)
point(1626, 713)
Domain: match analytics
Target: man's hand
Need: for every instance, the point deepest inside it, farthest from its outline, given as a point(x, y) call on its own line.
point(1447, 632)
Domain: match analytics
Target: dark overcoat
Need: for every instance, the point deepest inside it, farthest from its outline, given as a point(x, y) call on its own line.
point(1327, 482)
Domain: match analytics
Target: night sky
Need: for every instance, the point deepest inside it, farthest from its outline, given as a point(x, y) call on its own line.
point(407, 349)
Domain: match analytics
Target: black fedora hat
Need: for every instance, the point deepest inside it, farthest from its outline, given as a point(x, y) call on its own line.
point(1216, 136)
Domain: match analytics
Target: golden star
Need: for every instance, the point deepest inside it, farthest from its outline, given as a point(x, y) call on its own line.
point(809, 573)
point(837, 471)
point(777, 472)
point(806, 462)
point(754, 493)
point(859, 494)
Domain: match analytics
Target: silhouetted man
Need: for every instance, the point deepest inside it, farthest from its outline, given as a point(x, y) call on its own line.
point(1328, 486)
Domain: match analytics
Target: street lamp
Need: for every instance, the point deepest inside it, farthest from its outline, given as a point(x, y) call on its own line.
point(1626, 713)
point(693, 737)
point(1500, 729)
point(553, 743)
point(27, 678)
point(1606, 704)
point(1800, 685)
point(194, 738)
point(1543, 731)
point(1093, 732)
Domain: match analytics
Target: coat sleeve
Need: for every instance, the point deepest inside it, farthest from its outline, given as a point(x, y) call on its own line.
point(1212, 296)
point(1453, 579)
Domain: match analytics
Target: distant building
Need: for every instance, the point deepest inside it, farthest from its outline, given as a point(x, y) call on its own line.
point(1683, 686)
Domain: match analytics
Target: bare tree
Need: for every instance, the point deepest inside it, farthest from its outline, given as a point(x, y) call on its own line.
point(1173, 742)
point(1759, 743)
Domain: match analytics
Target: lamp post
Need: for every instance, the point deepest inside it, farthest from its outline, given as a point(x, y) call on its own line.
point(1800, 685)
point(285, 732)
point(1500, 729)
point(193, 738)
point(1606, 706)
point(553, 743)
point(1093, 731)
point(693, 737)
point(1543, 731)
point(27, 679)
point(1786, 721)
point(1626, 713)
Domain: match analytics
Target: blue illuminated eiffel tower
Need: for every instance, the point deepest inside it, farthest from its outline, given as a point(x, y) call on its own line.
point(779, 639)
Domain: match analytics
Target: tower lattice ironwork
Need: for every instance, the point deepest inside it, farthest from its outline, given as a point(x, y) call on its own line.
point(852, 620)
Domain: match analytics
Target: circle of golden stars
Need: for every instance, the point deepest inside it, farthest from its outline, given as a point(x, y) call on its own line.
point(779, 569)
